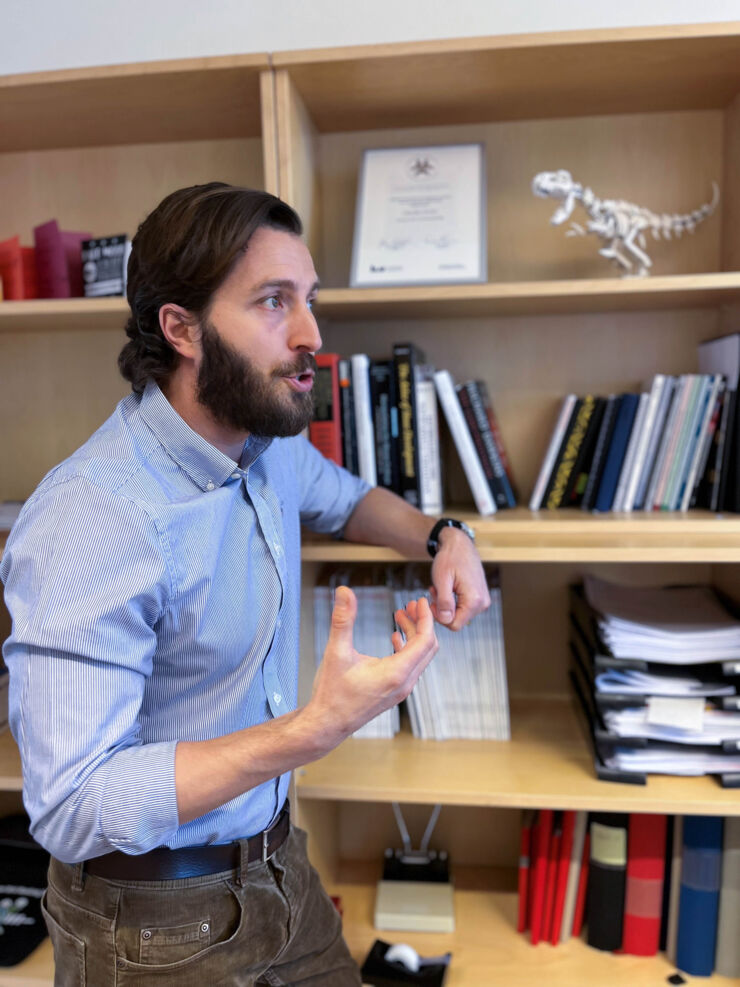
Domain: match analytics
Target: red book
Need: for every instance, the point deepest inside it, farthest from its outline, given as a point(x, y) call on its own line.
point(540, 847)
point(525, 844)
point(582, 884)
point(646, 838)
point(325, 431)
point(30, 275)
point(59, 261)
point(561, 884)
point(11, 269)
point(553, 857)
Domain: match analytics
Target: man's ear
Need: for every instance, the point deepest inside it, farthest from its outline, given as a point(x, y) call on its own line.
point(180, 329)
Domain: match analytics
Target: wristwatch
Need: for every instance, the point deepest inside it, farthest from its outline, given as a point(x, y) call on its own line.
point(446, 522)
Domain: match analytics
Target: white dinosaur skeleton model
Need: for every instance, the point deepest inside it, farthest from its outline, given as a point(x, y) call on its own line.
point(621, 225)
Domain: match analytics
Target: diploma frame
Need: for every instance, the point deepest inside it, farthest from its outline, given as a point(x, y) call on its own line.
point(420, 216)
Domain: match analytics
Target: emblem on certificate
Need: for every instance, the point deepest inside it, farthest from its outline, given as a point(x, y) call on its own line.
point(421, 216)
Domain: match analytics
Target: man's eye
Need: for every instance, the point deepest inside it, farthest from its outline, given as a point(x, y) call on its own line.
point(273, 302)
point(310, 303)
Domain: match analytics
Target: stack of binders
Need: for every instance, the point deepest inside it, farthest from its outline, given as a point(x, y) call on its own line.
point(656, 676)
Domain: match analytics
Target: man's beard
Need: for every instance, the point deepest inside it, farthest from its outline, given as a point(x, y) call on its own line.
point(243, 398)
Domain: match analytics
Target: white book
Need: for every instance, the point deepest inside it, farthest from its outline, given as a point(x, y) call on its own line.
point(365, 429)
point(701, 445)
point(643, 439)
point(566, 410)
point(630, 454)
point(667, 441)
point(722, 356)
point(665, 402)
point(574, 873)
point(427, 426)
point(686, 437)
point(464, 443)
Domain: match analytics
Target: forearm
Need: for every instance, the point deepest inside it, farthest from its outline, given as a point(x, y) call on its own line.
point(209, 773)
point(383, 518)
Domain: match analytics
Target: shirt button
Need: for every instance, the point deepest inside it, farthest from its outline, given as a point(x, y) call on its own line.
point(235, 476)
point(277, 697)
point(210, 485)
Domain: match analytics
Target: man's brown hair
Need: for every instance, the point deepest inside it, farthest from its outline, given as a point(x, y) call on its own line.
point(182, 252)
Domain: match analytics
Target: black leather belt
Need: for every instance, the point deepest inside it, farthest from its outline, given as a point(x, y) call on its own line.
point(164, 864)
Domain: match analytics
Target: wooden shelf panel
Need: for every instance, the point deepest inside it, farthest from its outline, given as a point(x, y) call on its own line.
point(547, 764)
point(532, 297)
point(10, 764)
point(520, 535)
point(434, 301)
point(628, 70)
point(37, 970)
point(488, 952)
point(149, 102)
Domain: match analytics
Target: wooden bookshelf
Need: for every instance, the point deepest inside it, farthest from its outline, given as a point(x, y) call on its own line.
point(10, 764)
point(37, 970)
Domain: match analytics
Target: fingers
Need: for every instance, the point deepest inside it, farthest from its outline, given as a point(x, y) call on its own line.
point(444, 599)
point(343, 615)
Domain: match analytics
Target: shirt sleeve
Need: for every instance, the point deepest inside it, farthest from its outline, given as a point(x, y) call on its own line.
point(87, 578)
point(328, 493)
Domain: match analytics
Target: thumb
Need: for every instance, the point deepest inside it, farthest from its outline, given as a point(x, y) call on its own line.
point(445, 601)
point(343, 617)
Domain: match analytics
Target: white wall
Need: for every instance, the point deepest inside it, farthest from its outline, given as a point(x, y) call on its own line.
point(52, 34)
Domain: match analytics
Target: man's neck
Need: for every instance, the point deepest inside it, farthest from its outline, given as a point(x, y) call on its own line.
point(181, 395)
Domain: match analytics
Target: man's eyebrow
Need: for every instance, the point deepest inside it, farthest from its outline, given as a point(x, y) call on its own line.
point(286, 283)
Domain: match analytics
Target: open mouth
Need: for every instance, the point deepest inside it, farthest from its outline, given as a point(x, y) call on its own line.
point(301, 382)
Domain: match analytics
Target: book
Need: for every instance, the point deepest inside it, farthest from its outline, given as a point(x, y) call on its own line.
point(553, 856)
point(382, 397)
point(668, 442)
point(325, 429)
point(59, 261)
point(578, 481)
point(606, 880)
point(104, 263)
point(480, 428)
point(646, 839)
point(497, 436)
point(727, 960)
point(631, 452)
point(727, 467)
point(471, 464)
point(561, 878)
point(615, 455)
point(579, 910)
point(574, 874)
point(665, 401)
point(701, 441)
point(525, 844)
point(707, 490)
point(347, 406)
point(667, 882)
point(556, 438)
point(701, 867)
point(721, 355)
point(684, 444)
point(598, 460)
point(643, 439)
point(17, 270)
point(539, 865)
point(364, 428)
point(406, 356)
point(430, 462)
point(565, 464)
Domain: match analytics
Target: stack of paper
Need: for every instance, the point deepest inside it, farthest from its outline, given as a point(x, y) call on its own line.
point(655, 670)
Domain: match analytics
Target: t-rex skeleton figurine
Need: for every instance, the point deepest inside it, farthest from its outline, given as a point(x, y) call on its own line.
point(621, 225)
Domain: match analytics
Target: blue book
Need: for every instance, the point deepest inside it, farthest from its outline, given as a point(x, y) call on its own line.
point(617, 450)
point(698, 907)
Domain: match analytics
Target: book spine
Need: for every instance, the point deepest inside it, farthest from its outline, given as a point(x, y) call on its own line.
point(701, 870)
point(464, 398)
point(728, 452)
point(703, 441)
point(728, 922)
point(644, 884)
point(579, 910)
point(565, 467)
point(404, 358)
point(561, 881)
point(495, 429)
point(381, 373)
point(671, 932)
point(525, 842)
point(364, 417)
point(629, 457)
point(430, 466)
point(51, 262)
point(556, 438)
point(606, 884)
point(324, 430)
point(644, 439)
point(11, 269)
point(615, 454)
point(463, 443)
point(574, 874)
point(600, 452)
point(684, 442)
point(667, 447)
point(503, 492)
point(349, 435)
point(539, 863)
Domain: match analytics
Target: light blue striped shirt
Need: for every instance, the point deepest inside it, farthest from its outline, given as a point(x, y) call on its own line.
point(154, 588)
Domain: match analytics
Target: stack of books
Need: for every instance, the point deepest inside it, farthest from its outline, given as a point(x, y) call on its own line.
point(636, 883)
point(655, 672)
point(379, 419)
point(462, 693)
point(671, 447)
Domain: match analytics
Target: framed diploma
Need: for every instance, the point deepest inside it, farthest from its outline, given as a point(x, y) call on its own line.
point(421, 216)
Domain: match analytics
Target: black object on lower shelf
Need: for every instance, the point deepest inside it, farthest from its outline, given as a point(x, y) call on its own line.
point(379, 972)
point(23, 866)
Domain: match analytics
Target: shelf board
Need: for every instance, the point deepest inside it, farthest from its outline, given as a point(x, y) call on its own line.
point(11, 779)
point(177, 100)
point(37, 970)
point(63, 314)
point(531, 297)
point(521, 535)
point(486, 949)
point(433, 301)
point(417, 84)
point(546, 764)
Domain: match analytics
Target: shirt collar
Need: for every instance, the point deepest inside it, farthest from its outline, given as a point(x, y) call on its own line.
point(206, 465)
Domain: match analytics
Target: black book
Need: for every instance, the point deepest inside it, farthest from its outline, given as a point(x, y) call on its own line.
point(382, 395)
point(729, 484)
point(576, 487)
point(406, 356)
point(347, 407)
point(561, 451)
point(607, 875)
point(476, 415)
point(601, 449)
